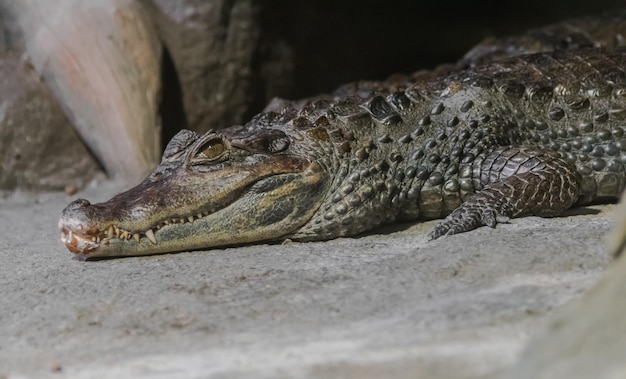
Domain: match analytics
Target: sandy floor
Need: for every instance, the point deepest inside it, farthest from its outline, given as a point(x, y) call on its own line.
point(383, 305)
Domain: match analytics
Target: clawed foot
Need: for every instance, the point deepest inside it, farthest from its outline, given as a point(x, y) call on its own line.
point(530, 181)
point(467, 217)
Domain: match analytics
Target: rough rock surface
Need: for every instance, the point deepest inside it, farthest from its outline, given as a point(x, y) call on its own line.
point(220, 67)
point(587, 338)
point(211, 45)
point(387, 304)
point(39, 148)
point(101, 59)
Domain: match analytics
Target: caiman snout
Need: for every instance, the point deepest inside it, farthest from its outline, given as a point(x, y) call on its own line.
point(79, 214)
point(74, 226)
point(77, 226)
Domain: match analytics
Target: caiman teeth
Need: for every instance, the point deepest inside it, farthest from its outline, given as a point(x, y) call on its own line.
point(151, 237)
point(113, 231)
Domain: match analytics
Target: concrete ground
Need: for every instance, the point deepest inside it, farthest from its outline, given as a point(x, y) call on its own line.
point(388, 304)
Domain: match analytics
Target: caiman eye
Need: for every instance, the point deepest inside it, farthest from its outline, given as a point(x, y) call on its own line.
point(212, 150)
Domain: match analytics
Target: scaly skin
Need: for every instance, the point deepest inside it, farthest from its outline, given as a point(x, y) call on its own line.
point(533, 134)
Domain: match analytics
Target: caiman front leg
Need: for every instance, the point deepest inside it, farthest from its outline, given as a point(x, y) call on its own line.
point(517, 181)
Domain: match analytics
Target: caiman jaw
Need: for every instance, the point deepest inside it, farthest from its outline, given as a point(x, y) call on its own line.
point(246, 206)
point(84, 241)
point(239, 186)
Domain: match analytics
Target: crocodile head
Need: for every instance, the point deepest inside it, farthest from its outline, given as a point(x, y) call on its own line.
point(235, 186)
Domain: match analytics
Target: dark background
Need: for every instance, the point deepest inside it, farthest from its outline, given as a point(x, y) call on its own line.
point(335, 42)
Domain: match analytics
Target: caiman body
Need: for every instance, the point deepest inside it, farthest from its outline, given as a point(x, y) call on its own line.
point(532, 134)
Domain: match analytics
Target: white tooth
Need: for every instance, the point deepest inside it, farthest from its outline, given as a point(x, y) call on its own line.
point(199, 215)
point(110, 231)
point(151, 237)
point(62, 236)
point(93, 239)
point(98, 239)
point(69, 237)
point(166, 222)
point(190, 218)
point(136, 237)
point(182, 220)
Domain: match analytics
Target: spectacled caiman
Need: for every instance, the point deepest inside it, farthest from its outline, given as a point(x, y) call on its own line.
point(532, 134)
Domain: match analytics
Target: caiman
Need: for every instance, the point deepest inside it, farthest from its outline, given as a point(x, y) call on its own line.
point(531, 133)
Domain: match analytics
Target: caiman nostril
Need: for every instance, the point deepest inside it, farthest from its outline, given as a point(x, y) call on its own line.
point(79, 203)
point(76, 207)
